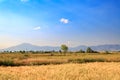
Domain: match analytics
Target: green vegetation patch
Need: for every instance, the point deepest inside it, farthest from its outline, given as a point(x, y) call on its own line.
point(86, 60)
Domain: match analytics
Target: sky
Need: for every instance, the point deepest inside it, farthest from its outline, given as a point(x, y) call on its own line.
point(56, 22)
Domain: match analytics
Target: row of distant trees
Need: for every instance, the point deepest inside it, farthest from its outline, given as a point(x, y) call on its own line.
point(64, 48)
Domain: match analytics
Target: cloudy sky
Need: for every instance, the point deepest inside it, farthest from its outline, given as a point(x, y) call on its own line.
point(56, 22)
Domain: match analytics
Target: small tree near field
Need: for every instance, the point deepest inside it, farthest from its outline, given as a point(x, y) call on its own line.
point(81, 51)
point(89, 50)
point(64, 48)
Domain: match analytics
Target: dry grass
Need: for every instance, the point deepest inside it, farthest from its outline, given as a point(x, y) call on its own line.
point(17, 59)
point(87, 71)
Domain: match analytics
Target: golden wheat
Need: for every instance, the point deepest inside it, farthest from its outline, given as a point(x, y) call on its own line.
point(88, 71)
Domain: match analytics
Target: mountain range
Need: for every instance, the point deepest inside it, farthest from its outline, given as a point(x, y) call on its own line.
point(29, 47)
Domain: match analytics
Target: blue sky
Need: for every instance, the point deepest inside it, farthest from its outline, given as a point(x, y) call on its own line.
point(56, 22)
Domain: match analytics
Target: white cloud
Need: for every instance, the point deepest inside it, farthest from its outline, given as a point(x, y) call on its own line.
point(63, 20)
point(24, 0)
point(37, 28)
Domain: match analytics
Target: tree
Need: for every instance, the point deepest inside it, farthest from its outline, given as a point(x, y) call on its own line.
point(81, 51)
point(89, 50)
point(22, 51)
point(60, 51)
point(64, 48)
point(107, 52)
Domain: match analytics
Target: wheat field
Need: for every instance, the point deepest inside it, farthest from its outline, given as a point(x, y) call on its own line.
point(85, 71)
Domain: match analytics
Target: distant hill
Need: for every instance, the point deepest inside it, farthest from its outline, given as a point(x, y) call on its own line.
point(106, 47)
point(29, 47)
point(100, 47)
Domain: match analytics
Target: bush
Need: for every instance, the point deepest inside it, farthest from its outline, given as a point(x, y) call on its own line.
point(51, 54)
point(85, 60)
point(107, 52)
point(22, 52)
point(7, 63)
point(89, 50)
point(80, 51)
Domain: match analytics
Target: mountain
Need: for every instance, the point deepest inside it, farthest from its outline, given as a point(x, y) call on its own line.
point(29, 47)
point(106, 47)
point(78, 48)
point(100, 47)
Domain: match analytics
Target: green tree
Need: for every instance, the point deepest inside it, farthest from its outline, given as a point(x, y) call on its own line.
point(22, 51)
point(89, 50)
point(64, 48)
point(107, 52)
point(81, 51)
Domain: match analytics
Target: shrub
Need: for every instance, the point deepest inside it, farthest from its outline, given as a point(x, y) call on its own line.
point(89, 50)
point(22, 52)
point(85, 60)
point(51, 54)
point(107, 52)
point(81, 51)
point(7, 63)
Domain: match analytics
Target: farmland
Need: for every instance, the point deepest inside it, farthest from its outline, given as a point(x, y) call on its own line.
point(19, 59)
point(59, 39)
point(85, 71)
point(72, 66)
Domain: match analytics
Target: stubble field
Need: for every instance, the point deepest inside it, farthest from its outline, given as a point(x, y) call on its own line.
point(85, 71)
point(75, 66)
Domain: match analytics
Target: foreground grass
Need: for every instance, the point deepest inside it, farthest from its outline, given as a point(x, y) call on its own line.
point(86, 71)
